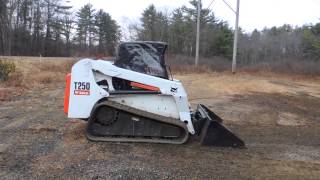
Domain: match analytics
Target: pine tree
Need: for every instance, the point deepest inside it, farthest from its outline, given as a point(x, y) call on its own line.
point(86, 27)
point(148, 31)
point(3, 26)
point(155, 25)
point(107, 31)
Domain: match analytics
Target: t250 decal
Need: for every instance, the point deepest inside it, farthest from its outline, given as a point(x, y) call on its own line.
point(82, 88)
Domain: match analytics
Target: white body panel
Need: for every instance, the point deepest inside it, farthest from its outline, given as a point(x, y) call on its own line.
point(157, 104)
point(172, 102)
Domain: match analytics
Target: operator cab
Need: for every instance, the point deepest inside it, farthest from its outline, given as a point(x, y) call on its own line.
point(144, 57)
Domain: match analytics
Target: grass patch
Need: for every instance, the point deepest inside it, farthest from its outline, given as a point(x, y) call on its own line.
point(6, 68)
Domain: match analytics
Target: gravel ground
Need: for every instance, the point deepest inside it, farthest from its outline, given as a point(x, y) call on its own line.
point(280, 126)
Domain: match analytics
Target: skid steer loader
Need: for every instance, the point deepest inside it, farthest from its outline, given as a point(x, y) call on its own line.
point(133, 99)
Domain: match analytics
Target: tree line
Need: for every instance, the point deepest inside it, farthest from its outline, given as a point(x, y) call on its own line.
point(51, 28)
point(178, 28)
point(281, 43)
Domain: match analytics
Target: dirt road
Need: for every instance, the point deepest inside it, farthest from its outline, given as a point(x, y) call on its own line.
point(278, 118)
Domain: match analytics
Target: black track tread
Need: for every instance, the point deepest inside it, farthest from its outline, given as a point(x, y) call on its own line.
point(138, 112)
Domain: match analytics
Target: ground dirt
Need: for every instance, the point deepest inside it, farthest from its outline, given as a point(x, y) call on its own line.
point(278, 118)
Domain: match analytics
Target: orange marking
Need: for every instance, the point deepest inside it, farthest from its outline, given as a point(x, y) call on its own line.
point(67, 94)
point(143, 86)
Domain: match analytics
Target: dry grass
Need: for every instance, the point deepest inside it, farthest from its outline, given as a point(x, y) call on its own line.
point(34, 73)
point(216, 84)
point(190, 69)
point(285, 66)
point(185, 64)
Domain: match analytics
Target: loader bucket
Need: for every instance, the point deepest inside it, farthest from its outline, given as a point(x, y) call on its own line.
point(212, 132)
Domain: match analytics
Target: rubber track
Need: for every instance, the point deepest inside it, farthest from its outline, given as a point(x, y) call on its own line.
point(163, 119)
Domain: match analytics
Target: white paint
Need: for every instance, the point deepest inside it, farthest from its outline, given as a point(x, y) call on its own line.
point(156, 104)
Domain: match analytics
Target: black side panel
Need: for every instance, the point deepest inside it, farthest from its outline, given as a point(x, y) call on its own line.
point(114, 122)
point(211, 130)
point(121, 123)
point(216, 134)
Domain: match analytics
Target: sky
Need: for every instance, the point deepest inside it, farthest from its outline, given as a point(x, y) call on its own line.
point(254, 14)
